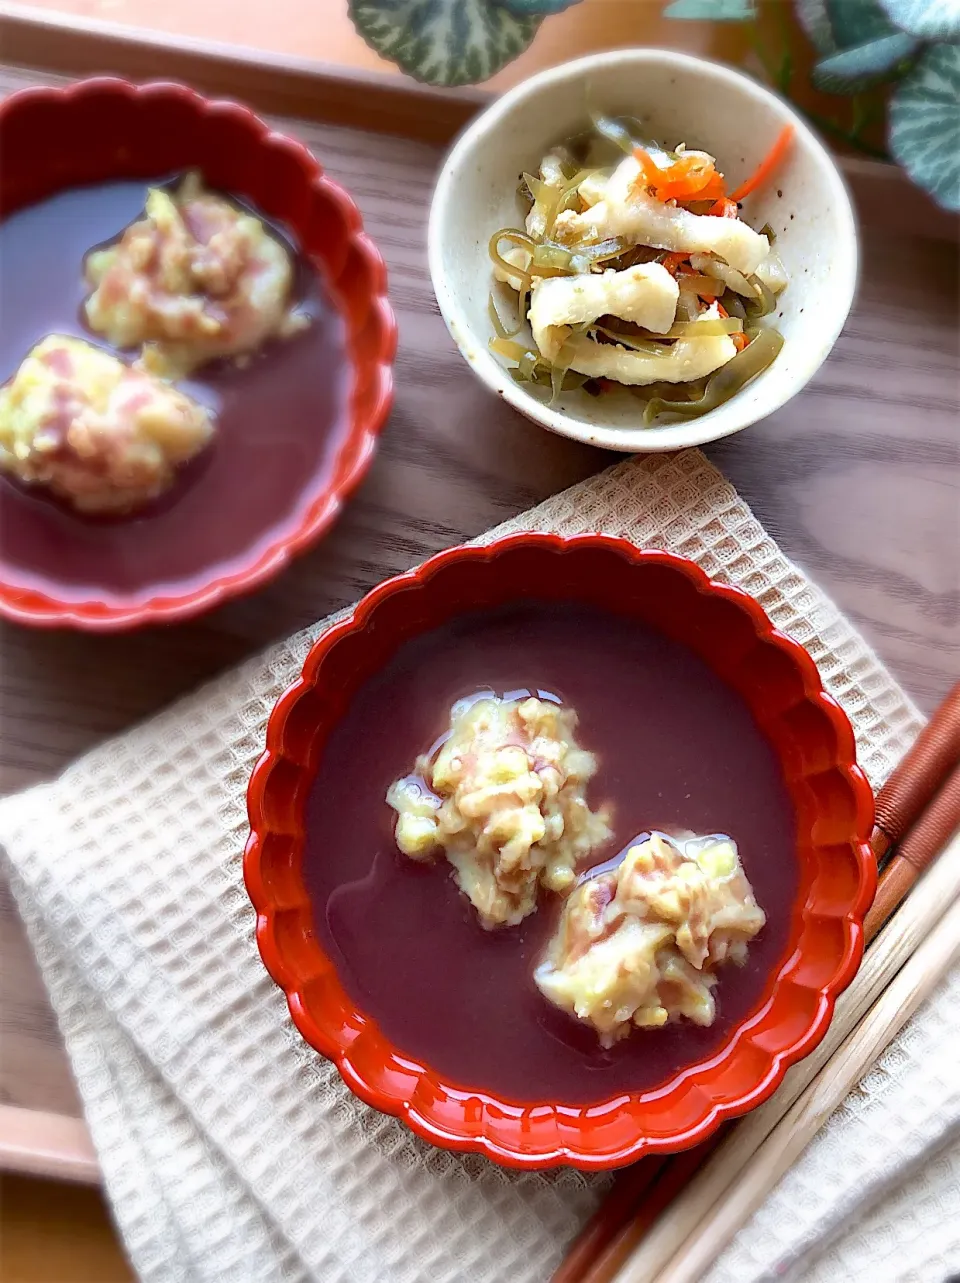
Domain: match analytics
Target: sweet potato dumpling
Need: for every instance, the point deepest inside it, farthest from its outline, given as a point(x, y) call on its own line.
point(101, 435)
point(505, 800)
point(638, 945)
point(197, 277)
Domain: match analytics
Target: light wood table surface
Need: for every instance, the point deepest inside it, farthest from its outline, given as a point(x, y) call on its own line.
point(858, 479)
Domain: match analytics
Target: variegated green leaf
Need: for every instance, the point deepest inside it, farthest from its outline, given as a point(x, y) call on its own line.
point(857, 22)
point(924, 122)
point(815, 20)
point(443, 42)
point(526, 8)
point(928, 19)
point(853, 70)
point(711, 10)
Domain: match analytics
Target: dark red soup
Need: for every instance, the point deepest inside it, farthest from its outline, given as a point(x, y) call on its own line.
point(677, 749)
point(280, 421)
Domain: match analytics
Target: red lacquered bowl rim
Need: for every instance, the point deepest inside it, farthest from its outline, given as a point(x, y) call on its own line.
point(537, 1136)
point(371, 396)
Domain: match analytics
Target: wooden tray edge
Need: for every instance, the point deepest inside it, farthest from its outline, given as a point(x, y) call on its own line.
point(290, 86)
point(268, 81)
point(35, 1143)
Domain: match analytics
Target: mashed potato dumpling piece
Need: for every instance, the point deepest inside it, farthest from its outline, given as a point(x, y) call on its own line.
point(197, 277)
point(99, 434)
point(637, 945)
point(504, 800)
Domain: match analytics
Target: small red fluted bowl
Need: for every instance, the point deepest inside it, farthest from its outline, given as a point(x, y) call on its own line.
point(104, 129)
point(808, 731)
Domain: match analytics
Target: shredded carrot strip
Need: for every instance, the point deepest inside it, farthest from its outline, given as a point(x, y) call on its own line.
point(740, 340)
point(695, 182)
point(650, 172)
point(691, 178)
point(766, 167)
point(688, 178)
point(725, 208)
point(676, 263)
point(712, 189)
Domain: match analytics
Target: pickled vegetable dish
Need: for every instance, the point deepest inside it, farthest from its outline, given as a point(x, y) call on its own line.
point(635, 269)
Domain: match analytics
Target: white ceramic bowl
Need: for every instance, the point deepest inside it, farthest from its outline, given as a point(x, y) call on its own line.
point(679, 99)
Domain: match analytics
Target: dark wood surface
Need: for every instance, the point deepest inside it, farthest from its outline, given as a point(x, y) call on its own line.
point(858, 479)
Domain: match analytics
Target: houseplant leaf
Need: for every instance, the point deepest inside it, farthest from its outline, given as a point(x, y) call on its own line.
point(443, 42)
point(924, 124)
point(527, 8)
point(928, 19)
point(857, 22)
point(815, 20)
point(851, 70)
point(711, 10)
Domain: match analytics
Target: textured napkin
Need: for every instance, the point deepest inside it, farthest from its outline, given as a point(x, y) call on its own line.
point(232, 1153)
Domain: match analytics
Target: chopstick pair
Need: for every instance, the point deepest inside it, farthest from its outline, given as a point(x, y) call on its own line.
point(920, 803)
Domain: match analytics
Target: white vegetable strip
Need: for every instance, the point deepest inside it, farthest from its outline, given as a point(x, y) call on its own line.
point(773, 273)
point(711, 266)
point(517, 257)
point(681, 362)
point(594, 187)
point(551, 172)
point(645, 294)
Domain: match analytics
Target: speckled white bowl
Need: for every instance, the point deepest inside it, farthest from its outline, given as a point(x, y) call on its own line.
point(679, 99)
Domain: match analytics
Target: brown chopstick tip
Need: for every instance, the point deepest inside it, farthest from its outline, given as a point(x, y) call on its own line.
point(676, 1175)
point(616, 1210)
point(913, 782)
point(916, 852)
point(880, 843)
point(935, 826)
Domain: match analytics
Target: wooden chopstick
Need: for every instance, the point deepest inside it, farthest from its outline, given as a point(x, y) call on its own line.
point(621, 1207)
point(620, 1222)
point(933, 754)
point(659, 1194)
point(914, 853)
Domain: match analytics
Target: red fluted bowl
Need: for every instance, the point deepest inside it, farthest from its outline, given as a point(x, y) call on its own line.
point(104, 129)
point(814, 743)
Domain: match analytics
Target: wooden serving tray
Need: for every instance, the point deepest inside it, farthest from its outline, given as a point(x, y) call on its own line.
point(858, 478)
